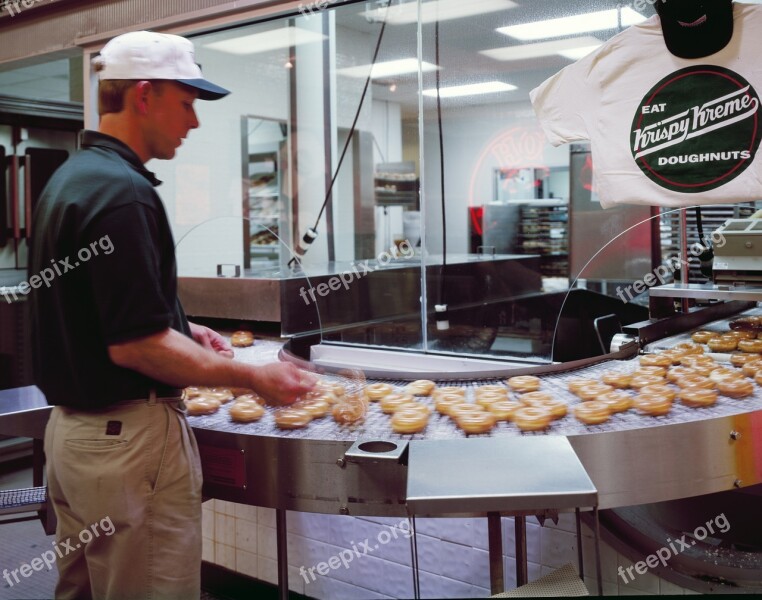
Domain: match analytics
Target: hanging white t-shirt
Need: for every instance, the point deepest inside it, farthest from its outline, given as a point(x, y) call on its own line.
point(664, 130)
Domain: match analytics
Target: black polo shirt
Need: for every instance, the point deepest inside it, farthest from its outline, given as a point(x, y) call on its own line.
point(103, 256)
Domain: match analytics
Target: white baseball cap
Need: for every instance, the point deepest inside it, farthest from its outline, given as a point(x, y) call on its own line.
point(150, 55)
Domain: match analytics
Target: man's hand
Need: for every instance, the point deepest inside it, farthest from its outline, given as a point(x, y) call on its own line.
point(282, 383)
point(211, 340)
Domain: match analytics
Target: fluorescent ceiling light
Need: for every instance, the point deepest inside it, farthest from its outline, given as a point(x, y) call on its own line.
point(596, 21)
point(577, 53)
point(443, 10)
point(276, 39)
point(403, 66)
point(542, 49)
point(489, 87)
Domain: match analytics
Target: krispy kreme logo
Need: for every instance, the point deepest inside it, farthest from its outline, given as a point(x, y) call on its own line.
point(697, 129)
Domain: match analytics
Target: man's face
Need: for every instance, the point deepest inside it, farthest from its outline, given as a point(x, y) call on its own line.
point(170, 117)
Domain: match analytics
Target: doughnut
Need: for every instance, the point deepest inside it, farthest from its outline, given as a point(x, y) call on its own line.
point(241, 392)
point(661, 391)
point(748, 323)
point(486, 398)
point(724, 373)
point(445, 404)
point(676, 373)
point(689, 348)
point(524, 383)
point(315, 407)
point(533, 397)
point(741, 334)
point(459, 391)
point(592, 413)
point(292, 418)
point(192, 392)
point(242, 339)
point(376, 391)
point(579, 382)
point(642, 381)
point(617, 401)
point(504, 409)
point(417, 406)
point(696, 397)
point(649, 371)
point(251, 398)
point(674, 355)
point(750, 369)
point(457, 411)
point(336, 389)
point(617, 380)
point(475, 423)
point(655, 360)
point(224, 395)
point(696, 381)
point(557, 408)
point(408, 421)
point(349, 411)
point(722, 344)
point(754, 346)
point(650, 404)
point(758, 378)
point(320, 395)
point(702, 337)
point(392, 402)
point(202, 405)
point(735, 388)
point(591, 392)
point(702, 367)
point(739, 359)
point(420, 387)
point(532, 418)
point(491, 389)
point(246, 411)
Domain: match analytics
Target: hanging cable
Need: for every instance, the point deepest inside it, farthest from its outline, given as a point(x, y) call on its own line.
point(312, 232)
point(440, 309)
point(706, 258)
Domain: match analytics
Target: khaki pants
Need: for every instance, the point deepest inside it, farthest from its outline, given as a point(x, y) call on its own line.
point(126, 487)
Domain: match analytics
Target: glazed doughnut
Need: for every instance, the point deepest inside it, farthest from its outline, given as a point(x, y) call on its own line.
point(417, 406)
point(251, 398)
point(486, 398)
point(661, 391)
point(421, 387)
point(393, 402)
point(758, 377)
point(702, 367)
point(617, 401)
point(742, 334)
point(655, 360)
point(459, 391)
point(748, 323)
point(649, 404)
point(676, 373)
point(642, 381)
point(246, 411)
point(349, 411)
point(735, 388)
point(750, 369)
point(591, 392)
point(236, 391)
point(674, 355)
point(336, 389)
point(202, 405)
point(579, 382)
point(592, 413)
point(491, 389)
point(696, 381)
point(315, 407)
point(532, 418)
point(409, 421)
point(193, 392)
point(689, 348)
point(475, 423)
point(242, 339)
point(504, 409)
point(445, 404)
point(724, 373)
point(696, 397)
point(617, 380)
point(649, 372)
point(702, 337)
point(533, 397)
point(557, 408)
point(524, 383)
point(292, 418)
point(457, 411)
point(224, 395)
point(739, 359)
point(754, 346)
point(376, 391)
point(722, 344)
point(320, 395)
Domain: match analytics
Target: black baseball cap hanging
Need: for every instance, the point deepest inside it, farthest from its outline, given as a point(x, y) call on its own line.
point(696, 28)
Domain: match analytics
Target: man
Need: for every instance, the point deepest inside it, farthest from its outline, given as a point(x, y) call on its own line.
point(112, 346)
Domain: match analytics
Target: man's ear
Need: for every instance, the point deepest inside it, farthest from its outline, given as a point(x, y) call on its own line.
point(142, 91)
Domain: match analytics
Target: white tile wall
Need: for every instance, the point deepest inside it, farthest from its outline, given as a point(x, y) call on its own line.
point(452, 554)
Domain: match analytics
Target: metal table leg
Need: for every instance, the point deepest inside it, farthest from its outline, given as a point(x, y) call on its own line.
point(598, 551)
point(520, 526)
point(495, 534)
point(580, 559)
point(280, 531)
